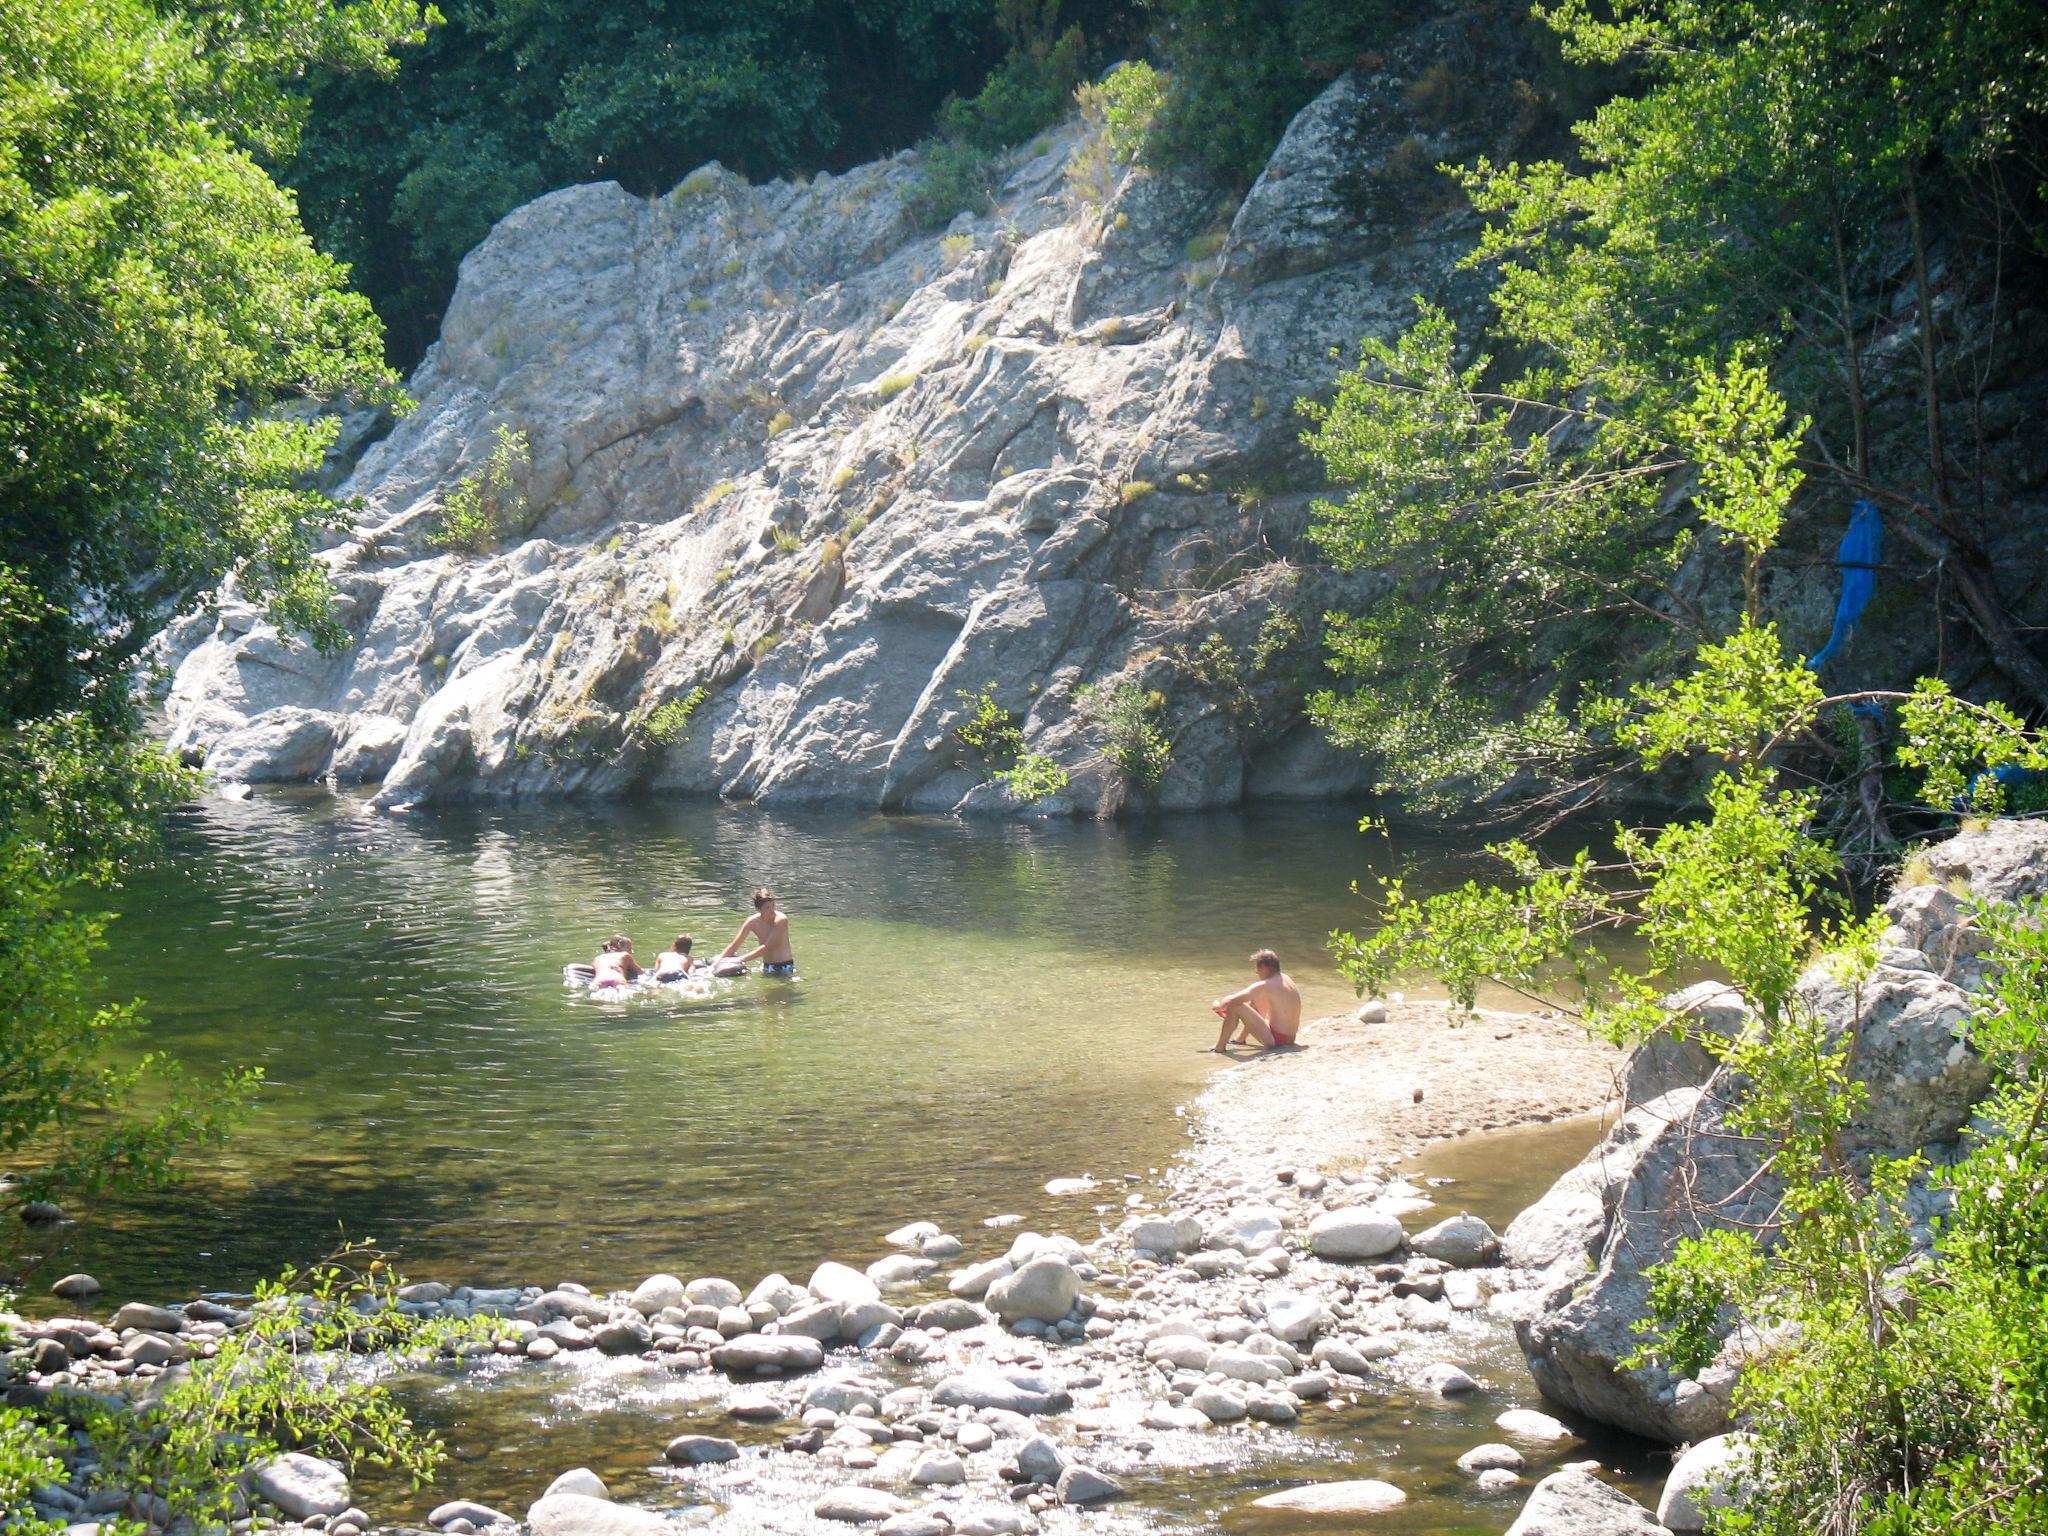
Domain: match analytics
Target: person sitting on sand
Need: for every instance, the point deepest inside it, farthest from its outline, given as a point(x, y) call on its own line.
point(1268, 1011)
point(675, 964)
point(770, 928)
point(614, 965)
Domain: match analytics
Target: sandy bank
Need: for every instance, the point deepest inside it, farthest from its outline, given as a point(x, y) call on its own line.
point(1358, 1091)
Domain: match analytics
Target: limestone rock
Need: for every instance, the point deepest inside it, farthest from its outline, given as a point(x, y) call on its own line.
point(1363, 1496)
point(1706, 1477)
point(1572, 1503)
point(1462, 1240)
point(1043, 1290)
point(1354, 1232)
point(302, 1485)
point(581, 1514)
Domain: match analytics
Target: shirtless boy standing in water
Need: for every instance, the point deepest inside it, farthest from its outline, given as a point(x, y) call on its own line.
point(1268, 1011)
point(771, 929)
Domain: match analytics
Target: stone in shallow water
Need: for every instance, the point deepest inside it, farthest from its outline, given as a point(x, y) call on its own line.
point(578, 1514)
point(1365, 1496)
point(1491, 1456)
point(303, 1485)
point(1574, 1503)
point(1218, 1404)
point(655, 1293)
point(1085, 1485)
point(700, 1450)
point(476, 1514)
point(833, 1281)
point(1528, 1424)
point(76, 1287)
point(785, 1353)
point(1354, 1233)
point(857, 1506)
point(578, 1480)
point(1021, 1392)
point(1044, 1291)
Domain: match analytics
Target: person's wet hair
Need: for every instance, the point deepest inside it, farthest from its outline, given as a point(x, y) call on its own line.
point(1264, 960)
point(683, 943)
point(762, 896)
point(619, 944)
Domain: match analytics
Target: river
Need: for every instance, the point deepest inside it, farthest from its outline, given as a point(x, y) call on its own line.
point(981, 1007)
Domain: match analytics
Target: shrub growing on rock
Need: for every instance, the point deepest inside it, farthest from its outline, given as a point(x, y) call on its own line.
point(1121, 713)
point(486, 505)
point(1901, 1393)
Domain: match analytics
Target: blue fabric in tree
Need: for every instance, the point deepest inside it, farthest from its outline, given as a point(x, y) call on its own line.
point(1861, 548)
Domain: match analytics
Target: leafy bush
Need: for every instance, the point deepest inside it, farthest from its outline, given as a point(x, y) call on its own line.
point(1903, 1394)
point(670, 723)
point(890, 385)
point(955, 249)
point(1125, 104)
point(990, 731)
point(266, 1389)
point(1032, 777)
point(1121, 714)
point(1023, 95)
point(953, 177)
point(1241, 69)
point(1135, 490)
point(490, 503)
point(780, 423)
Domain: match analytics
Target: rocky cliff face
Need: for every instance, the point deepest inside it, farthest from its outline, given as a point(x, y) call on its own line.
point(837, 472)
point(1671, 1168)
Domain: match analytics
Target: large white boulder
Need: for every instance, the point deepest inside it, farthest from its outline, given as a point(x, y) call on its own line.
point(302, 1485)
point(1354, 1232)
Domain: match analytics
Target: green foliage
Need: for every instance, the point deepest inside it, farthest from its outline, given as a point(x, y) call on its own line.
point(1121, 714)
point(890, 385)
point(272, 1386)
point(27, 1461)
point(952, 178)
point(1134, 490)
point(670, 723)
point(1879, 1369)
point(990, 731)
point(510, 98)
point(487, 505)
point(156, 295)
point(1032, 778)
point(1241, 69)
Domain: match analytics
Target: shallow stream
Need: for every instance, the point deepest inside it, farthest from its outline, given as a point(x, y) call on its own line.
point(981, 1008)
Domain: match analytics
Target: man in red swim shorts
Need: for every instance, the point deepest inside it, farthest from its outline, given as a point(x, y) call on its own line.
point(1268, 1011)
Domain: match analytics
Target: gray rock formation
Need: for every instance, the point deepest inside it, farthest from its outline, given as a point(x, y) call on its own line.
point(785, 448)
point(1670, 1168)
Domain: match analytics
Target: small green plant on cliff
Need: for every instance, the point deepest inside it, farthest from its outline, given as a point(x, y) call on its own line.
point(486, 505)
point(1032, 778)
point(890, 385)
point(1121, 714)
point(1894, 1398)
point(1118, 113)
point(670, 723)
point(990, 731)
point(272, 1385)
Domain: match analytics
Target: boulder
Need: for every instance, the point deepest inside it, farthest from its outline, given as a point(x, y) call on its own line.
point(712, 1291)
point(1573, 1503)
point(1529, 1424)
point(624, 1335)
point(580, 1514)
point(1044, 1290)
point(302, 1486)
point(478, 1515)
point(139, 1314)
point(1039, 1460)
point(1294, 1316)
point(1247, 1228)
point(76, 1287)
point(578, 1480)
point(1084, 1485)
point(655, 1293)
point(777, 1291)
point(913, 1236)
point(819, 1320)
point(752, 1353)
point(858, 1506)
point(1490, 1457)
point(948, 1316)
point(975, 1279)
point(1362, 1496)
point(1462, 1240)
point(900, 1271)
point(1708, 1476)
point(832, 1281)
point(1353, 1233)
point(1166, 1236)
point(699, 1450)
point(1024, 1392)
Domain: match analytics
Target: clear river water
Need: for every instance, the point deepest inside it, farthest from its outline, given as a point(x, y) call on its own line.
point(982, 1007)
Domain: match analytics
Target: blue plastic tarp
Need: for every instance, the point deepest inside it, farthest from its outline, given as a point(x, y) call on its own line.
point(1861, 548)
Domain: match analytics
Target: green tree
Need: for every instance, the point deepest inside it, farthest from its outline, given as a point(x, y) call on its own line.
point(1765, 189)
point(1904, 1395)
point(1240, 70)
point(157, 295)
